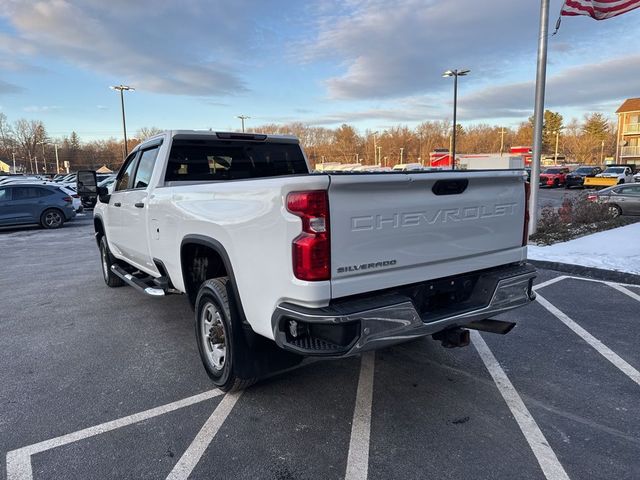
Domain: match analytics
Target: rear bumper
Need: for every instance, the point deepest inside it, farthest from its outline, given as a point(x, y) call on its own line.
point(350, 326)
point(575, 181)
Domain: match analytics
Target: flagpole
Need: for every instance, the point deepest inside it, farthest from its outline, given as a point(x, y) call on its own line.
point(538, 114)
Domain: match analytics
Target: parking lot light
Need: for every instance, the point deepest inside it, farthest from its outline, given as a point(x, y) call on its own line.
point(122, 88)
point(455, 73)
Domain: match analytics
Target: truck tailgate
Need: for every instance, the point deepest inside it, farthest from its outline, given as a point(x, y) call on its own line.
point(396, 229)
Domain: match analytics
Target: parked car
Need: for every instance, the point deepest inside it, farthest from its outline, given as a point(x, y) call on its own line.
point(23, 204)
point(576, 178)
point(613, 175)
point(553, 176)
point(636, 177)
point(622, 199)
point(279, 263)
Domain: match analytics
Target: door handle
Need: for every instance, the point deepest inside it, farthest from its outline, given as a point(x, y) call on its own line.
point(139, 205)
point(117, 204)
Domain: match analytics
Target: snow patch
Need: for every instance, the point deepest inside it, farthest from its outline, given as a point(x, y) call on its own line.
point(617, 249)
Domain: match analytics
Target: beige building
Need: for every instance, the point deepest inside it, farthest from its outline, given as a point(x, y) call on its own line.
point(4, 167)
point(628, 146)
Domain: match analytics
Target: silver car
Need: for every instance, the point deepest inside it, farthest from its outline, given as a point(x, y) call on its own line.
point(622, 199)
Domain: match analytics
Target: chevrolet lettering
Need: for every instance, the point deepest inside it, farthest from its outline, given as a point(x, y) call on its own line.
point(414, 219)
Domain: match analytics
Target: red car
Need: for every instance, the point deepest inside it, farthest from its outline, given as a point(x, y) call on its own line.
point(553, 177)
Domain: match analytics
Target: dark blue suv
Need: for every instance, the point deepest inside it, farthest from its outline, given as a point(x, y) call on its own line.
point(23, 204)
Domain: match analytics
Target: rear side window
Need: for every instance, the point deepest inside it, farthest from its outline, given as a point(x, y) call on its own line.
point(145, 168)
point(198, 160)
point(24, 193)
point(5, 194)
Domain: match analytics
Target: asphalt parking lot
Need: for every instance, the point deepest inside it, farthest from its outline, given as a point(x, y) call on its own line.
point(104, 383)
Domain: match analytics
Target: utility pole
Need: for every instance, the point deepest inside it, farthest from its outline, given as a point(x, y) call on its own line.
point(242, 119)
point(601, 153)
point(55, 145)
point(379, 156)
point(501, 140)
point(14, 162)
point(538, 113)
point(122, 89)
point(555, 156)
point(401, 152)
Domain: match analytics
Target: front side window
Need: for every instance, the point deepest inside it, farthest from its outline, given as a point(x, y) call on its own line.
point(124, 176)
point(145, 168)
point(202, 160)
point(5, 194)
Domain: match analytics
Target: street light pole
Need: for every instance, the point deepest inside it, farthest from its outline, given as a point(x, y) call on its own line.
point(44, 159)
point(401, 152)
point(14, 162)
point(55, 145)
point(122, 89)
point(455, 74)
point(555, 156)
point(242, 119)
point(601, 153)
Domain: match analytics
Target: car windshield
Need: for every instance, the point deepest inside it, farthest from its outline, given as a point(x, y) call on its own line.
point(552, 170)
point(614, 170)
point(584, 170)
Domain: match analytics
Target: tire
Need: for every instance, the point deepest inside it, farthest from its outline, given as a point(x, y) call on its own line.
point(621, 181)
point(106, 260)
point(219, 335)
point(52, 218)
point(556, 183)
point(615, 210)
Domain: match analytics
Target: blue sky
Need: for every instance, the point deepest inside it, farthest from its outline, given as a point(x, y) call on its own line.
point(374, 64)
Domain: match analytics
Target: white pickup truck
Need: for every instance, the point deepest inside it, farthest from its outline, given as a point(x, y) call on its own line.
point(279, 263)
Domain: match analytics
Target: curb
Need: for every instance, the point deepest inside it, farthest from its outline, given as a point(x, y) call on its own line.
point(589, 272)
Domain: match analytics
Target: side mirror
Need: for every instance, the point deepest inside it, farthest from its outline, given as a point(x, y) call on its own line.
point(87, 184)
point(103, 194)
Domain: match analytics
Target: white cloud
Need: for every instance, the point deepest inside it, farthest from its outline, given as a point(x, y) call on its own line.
point(41, 108)
point(589, 86)
point(190, 48)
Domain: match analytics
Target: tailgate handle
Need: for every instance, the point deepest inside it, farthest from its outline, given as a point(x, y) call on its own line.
point(450, 187)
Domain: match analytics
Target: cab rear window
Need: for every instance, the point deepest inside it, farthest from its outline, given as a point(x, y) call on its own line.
point(201, 160)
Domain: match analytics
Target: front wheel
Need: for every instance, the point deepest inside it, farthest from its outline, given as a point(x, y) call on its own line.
point(106, 260)
point(216, 327)
point(52, 218)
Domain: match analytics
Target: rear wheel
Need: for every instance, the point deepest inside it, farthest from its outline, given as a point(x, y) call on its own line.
point(556, 183)
point(52, 218)
point(219, 335)
point(106, 260)
point(615, 211)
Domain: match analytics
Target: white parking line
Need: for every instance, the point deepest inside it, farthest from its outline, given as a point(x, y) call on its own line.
point(194, 452)
point(545, 455)
point(549, 282)
point(605, 351)
point(358, 458)
point(626, 291)
point(19, 461)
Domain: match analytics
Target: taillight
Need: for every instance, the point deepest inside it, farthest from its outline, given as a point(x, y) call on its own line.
point(592, 197)
point(311, 249)
point(67, 199)
point(525, 232)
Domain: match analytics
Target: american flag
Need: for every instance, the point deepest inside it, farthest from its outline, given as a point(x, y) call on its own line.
point(598, 9)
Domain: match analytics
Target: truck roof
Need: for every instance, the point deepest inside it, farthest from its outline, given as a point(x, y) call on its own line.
point(209, 134)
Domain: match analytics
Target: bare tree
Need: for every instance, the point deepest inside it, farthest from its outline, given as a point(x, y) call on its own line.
point(147, 132)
